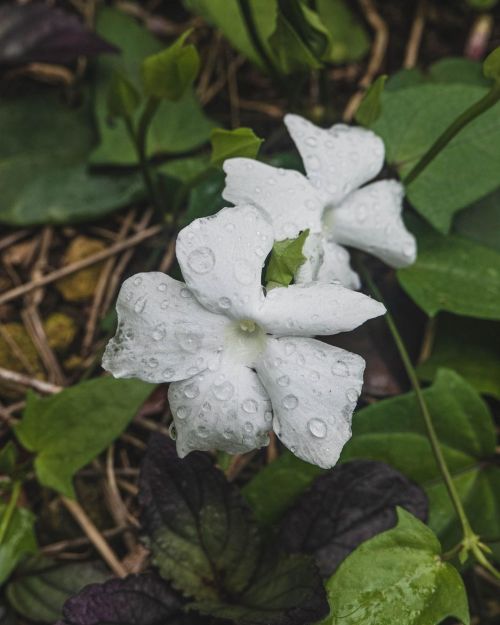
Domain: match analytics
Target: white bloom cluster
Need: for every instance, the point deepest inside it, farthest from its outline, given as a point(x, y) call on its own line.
point(242, 361)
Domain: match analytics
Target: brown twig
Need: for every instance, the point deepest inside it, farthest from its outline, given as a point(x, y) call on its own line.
point(55, 548)
point(20, 379)
point(95, 536)
point(378, 51)
point(238, 463)
point(415, 39)
point(10, 239)
point(81, 264)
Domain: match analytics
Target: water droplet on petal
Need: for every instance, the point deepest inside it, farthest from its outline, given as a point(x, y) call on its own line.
point(181, 412)
point(223, 391)
point(248, 427)
point(172, 431)
point(191, 391)
point(140, 304)
point(249, 405)
point(268, 415)
point(162, 287)
point(225, 303)
point(290, 402)
point(153, 363)
point(284, 380)
point(317, 427)
point(314, 376)
point(201, 260)
point(202, 431)
point(168, 373)
point(159, 332)
point(352, 395)
point(340, 368)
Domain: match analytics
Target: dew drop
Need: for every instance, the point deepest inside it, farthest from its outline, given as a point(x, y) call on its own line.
point(249, 405)
point(268, 415)
point(227, 434)
point(248, 427)
point(201, 260)
point(153, 363)
point(312, 142)
point(284, 380)
point(225, 303)
point(172, 431)
point(162, 287)
point(181, 412)
point(289, 348)
point(186, 294)
point(202, 431)
point(314, 376)
point(317, 427)
point(168, 373)
point(164, 304)
point(159, 332)
point(191, 391)
point(352, 395)
point(140, 304)
point(290, 402)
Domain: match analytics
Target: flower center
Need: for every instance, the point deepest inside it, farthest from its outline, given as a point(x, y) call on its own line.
point(245, 340)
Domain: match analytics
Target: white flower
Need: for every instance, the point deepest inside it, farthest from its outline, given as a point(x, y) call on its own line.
point(242, 362)
point(330, 201)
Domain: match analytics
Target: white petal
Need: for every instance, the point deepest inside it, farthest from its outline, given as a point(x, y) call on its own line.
point(339, 159)
point(313, 251)
point(316, 308)
point(221, 258)
point(227, 409)
point(370, 220)
point(336, 265)
point(163, 333)
point(313, 388)
point(285, 195)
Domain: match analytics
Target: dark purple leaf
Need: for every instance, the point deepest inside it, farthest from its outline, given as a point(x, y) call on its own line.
point(135, 600)
point(343, 508)
point(205, 541)
point(40, 33)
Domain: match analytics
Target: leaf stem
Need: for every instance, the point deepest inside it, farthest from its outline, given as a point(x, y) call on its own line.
point(9, 510)
point(139, 139)
point(479, 107)
point(470, 540)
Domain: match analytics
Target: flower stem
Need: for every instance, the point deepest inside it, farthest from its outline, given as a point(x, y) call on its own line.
point(9, 511)
point(470, 540)
point(479, 107)
point(139, 139)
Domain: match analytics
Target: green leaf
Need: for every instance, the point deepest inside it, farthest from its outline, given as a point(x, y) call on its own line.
point(471, 348)
point(481, 221)
point(370, 108)
point(18, 541)
point(286, 258)
point(458, 70)
point(272, 491)
point(204, 540)
point(43, 174)
point(169, 73)
point(123, 97)
point(41, 587)
point(397, 577)
point(393, 431)
point(177, 126)
point(349, 40)
point(227, 17)
point(491, 65)
point(233, 143)
point(454, 274)
point(411, 120)
point(8, 458)
point(69, 429)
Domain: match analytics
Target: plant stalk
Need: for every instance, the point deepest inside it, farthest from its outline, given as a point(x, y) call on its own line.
point(9, 511)
point(469, 115)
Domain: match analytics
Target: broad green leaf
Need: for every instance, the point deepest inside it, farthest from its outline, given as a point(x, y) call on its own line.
point(205, 196)
point(397, 577)
point(8, 457)
point(227, 17)
point(393, 431)
point(454, 274)
point(286, 258)
point(471, 348)
point(204, 541)
point(491, 65)
point(481, 221)
point(43, 173)
point(176, 127)
point(41, 587)
point(233, 143)
point(465, 170)
point(169, 73)
point(301, 39)
point(69, 429)
point(349, 39)
point(370, 108)
point(275, 487)
point(18, 541)
point(123, 97)
point(457, 70)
